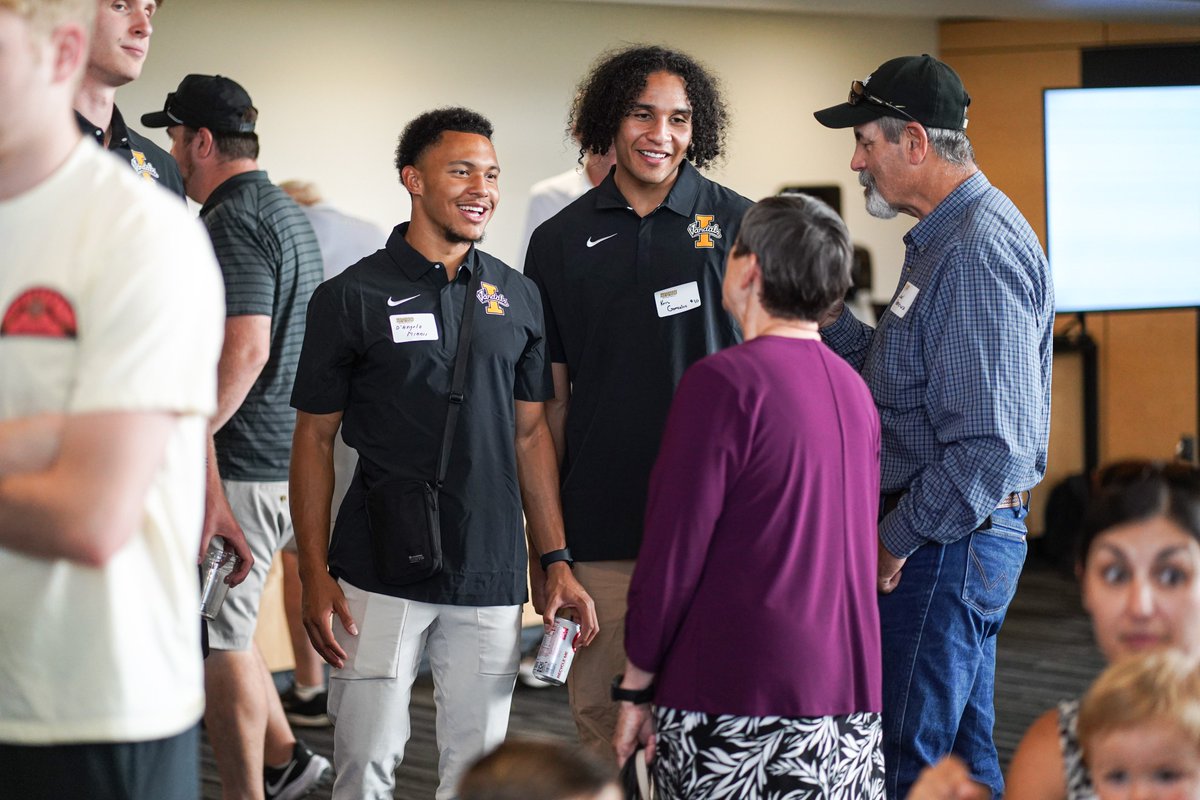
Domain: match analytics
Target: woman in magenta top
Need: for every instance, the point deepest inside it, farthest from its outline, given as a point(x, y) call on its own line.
point(752, 612)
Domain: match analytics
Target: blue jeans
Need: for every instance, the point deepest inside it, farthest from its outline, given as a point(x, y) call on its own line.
point(939, 652)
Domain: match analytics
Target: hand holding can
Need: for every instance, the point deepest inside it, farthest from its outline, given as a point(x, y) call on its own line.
point(557, 652)
point(218, 566)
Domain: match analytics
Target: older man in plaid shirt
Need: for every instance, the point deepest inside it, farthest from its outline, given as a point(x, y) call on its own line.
point(959, 367)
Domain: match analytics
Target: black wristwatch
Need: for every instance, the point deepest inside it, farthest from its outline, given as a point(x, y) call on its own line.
point(554, 556)
point(638, 697)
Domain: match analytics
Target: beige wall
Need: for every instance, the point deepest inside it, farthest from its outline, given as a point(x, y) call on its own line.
point(1147, 360)
point(336, 82)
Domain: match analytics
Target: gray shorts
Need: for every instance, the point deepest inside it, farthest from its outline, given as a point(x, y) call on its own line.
point(261, 508)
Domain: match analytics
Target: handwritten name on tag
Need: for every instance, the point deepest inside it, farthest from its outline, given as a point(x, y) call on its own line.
point(413, 328)
point(677, 299)
point(904, 300)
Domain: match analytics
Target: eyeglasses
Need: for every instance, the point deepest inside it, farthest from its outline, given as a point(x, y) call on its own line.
point(859, 94)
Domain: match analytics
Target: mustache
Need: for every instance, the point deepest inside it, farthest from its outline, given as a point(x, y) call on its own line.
point(866, 179)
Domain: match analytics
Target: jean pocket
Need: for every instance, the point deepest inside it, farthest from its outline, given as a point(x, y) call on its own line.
point(994, 561)
point(375, 651)
point(499, 638)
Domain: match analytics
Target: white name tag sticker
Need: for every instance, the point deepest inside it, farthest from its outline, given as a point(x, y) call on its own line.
point(677, 299)
point(904, 300)
point(413, 328)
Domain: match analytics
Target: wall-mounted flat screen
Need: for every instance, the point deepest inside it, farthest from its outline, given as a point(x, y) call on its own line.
point(1123, 197)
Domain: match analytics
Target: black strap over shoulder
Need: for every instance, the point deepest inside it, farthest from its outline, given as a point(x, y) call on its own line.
point(458, 382)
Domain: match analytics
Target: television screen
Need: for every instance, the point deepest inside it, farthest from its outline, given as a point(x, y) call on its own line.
point(1123, 197)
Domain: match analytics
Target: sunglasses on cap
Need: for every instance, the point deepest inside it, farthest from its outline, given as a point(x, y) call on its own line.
point(859, 94)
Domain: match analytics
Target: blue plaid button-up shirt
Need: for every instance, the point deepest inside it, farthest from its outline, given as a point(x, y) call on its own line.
point(959, 367)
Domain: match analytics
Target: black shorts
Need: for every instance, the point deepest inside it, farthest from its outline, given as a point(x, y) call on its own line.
point(160, 769)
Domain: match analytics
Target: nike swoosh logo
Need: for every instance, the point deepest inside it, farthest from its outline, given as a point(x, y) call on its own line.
point(273, 789)
point(392, 302)
point(593, 242)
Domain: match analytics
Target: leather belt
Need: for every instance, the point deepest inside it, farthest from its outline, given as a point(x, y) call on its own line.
point(1011, 500)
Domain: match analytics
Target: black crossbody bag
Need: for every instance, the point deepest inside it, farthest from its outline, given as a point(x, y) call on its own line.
point(402, 513)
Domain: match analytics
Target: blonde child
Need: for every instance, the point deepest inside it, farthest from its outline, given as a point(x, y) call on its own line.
point(1139, 728)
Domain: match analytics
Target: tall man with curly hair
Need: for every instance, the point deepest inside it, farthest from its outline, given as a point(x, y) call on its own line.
point(379, 355)
point(630, 275)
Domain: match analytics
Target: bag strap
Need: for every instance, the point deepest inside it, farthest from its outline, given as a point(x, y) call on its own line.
point(645, 776)
point(458, 382)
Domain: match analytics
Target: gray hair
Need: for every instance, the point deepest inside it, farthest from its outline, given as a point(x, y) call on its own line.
point(803, 251)
point(949, 145)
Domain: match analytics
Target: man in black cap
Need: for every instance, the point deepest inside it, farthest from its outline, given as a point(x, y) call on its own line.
point(120, 44)
point(959, 366)
point(271, 263)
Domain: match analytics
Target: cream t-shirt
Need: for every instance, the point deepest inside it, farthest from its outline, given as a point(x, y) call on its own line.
point(111, 300)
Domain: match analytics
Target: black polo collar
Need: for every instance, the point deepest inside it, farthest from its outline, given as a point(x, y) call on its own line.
point(413, 264)
point(230, 186)
point(120, 132)
point(681, 199)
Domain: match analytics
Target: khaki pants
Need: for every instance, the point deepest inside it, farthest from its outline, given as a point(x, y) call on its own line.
point(597, 664)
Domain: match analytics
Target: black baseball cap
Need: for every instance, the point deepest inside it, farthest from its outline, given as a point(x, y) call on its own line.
point(915, 88)
point(206, 101)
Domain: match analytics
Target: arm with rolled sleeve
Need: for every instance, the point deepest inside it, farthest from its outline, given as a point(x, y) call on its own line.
point(984, 396)
point(703, 450)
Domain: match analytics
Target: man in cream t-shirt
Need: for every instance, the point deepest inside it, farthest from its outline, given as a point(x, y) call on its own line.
point(110, 326)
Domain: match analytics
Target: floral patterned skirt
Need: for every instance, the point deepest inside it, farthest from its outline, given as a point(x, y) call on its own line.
point(706, 757)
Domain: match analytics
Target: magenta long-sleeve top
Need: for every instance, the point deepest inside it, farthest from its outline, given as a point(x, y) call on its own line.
point(754, 592)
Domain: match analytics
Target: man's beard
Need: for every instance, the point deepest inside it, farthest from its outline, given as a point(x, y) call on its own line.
point(454, 237)
point(876, 205)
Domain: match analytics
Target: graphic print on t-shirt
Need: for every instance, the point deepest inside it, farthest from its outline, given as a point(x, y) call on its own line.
point(40, 311)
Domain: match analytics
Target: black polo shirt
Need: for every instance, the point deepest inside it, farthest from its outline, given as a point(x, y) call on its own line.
point(631, 302)
point(146, 158)
point(380, 347)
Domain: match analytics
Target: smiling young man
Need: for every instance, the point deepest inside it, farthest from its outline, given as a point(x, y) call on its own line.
point(630, 276)
point(378, 359)
point(120, 44)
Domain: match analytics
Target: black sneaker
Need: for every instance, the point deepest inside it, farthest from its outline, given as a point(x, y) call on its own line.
point(312, 713)
point(296, 778)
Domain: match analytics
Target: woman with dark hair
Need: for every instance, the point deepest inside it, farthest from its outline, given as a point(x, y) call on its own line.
point(753, 625)
point(1139, 569)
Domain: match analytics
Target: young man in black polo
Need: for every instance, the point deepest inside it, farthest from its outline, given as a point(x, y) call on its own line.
point(120, 44)
point(378, 358)
point(630, 276)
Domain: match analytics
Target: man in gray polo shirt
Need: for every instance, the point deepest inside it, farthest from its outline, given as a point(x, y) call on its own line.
point(271, 263)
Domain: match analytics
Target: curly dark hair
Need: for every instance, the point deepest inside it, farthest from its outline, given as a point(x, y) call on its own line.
point(425, 131)
point(616, 80)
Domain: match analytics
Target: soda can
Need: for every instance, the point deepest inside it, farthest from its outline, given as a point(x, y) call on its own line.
point(557, 652)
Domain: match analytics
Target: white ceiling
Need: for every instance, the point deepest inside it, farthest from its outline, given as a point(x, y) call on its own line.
point(1179, 12)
